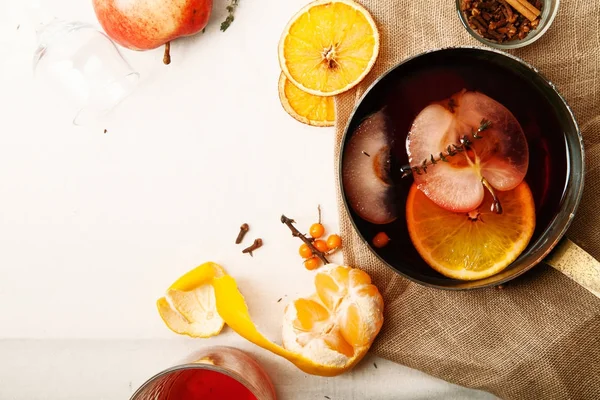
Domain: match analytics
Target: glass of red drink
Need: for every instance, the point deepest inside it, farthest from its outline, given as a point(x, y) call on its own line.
point(216, 373)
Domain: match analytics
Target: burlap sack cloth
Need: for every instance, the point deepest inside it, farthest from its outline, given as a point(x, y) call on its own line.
point(539, 337)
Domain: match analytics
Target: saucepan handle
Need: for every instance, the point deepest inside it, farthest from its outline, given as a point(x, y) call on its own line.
point(577, 264)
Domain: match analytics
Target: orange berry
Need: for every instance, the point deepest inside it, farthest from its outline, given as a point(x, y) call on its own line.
point(305, 251)
point(316, 230)
point(321, 245)
point(381, 240)
point(334, 242)
point(312, 263)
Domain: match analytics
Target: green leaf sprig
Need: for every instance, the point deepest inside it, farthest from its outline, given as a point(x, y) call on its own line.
point(230, 10)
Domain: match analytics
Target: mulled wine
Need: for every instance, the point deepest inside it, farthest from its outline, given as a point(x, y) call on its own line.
point(390, 109)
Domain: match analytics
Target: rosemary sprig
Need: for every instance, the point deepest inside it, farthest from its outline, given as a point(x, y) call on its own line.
point(451, 151)
point(230, 10)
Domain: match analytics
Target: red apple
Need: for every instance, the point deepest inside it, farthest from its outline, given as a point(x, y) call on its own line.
point(148, 24)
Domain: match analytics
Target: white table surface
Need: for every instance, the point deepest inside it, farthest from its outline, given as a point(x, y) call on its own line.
point(94, 226)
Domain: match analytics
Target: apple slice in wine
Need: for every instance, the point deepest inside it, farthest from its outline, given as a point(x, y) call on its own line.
point(365, 171)
point(500, 158)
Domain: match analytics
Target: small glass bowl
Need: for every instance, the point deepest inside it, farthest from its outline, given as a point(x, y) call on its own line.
point(549, 11)
point(80, 63)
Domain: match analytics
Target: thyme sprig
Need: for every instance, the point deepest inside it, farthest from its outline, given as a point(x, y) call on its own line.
point(230, 10)
point(451, 151)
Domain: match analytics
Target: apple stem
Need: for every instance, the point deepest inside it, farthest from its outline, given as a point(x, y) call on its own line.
point(167, 56)
point(496, 206)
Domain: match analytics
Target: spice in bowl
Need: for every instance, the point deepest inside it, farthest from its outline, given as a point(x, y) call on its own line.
point(502, 20)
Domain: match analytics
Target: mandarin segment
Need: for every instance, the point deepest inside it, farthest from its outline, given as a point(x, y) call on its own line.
point(352, 327)
point(328, 290)
point(341, 275)
point(335, 341)
point(309, 312)
point(359, 277)
point(368, 291)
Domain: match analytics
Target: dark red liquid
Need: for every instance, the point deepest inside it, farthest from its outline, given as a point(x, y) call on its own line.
point(202, 384)
point(403, 93)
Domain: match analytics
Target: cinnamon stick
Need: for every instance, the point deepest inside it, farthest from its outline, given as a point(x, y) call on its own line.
point(530, 7)
point(521, 9)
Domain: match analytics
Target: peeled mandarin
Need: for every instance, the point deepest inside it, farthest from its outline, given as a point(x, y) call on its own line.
point(326, 333)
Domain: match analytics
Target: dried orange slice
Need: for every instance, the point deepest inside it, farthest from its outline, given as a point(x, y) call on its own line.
point(329, 46)
point(305, 107)
point(324, 334)
point(475, 244)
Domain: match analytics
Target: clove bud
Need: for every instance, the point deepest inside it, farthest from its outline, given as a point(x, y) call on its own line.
point(256, 245)
point(243, 230)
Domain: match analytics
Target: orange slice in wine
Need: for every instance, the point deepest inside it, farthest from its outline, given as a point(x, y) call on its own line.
point(471, 245)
